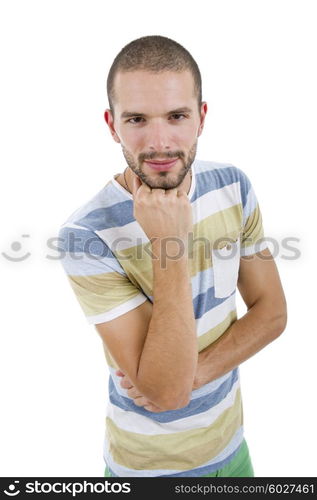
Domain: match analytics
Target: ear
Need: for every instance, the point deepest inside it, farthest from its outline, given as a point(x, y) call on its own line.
point(110, 122)
point(203, 112)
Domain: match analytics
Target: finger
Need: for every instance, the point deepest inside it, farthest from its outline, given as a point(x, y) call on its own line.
point(126, 383)
point(140, 401)
point(170, 192)
point(158, 192)
point(133, 393)
point(153, 408)
point(136, 183)
point(149, 408)
point(120, 373)
point(183, 193)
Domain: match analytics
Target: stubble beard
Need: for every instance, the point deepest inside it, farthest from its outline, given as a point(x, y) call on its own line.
point(162, 180)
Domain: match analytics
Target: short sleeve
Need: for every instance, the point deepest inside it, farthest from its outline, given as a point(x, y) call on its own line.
point(99, 282)
point(252, 238)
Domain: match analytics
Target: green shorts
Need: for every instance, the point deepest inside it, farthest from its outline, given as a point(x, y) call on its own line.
point(239, 466)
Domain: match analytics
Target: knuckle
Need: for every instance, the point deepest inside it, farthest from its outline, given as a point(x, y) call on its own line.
point(138, 401)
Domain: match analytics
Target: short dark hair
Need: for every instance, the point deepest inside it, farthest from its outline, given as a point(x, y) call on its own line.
point(153, 53)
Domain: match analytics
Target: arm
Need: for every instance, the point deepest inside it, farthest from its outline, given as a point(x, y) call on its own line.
point(168, 360)
point(261, 290)
point(156, 347)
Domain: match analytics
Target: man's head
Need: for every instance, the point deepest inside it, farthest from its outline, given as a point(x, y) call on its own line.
point(155, 108)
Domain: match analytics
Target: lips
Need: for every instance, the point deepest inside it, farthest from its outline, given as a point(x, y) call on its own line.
point(161, 165)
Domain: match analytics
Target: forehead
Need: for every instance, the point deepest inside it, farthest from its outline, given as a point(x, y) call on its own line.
point(141, 88)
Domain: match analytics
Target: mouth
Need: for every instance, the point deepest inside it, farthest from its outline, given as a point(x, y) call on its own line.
point(161, 165)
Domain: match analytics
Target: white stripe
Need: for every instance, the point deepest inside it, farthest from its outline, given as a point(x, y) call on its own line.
point(117, 311)
point(75, 226)
point(134, 422)
point(202, 281)
point(117, 239)
point(211, 386)
point(215, 201)
point(82, 264)
point(258, 247)
point(216, 315)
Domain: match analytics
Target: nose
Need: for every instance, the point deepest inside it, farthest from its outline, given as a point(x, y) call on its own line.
point(158, 137)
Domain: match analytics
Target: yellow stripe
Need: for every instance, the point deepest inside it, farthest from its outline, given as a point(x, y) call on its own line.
point(137, 260)
point(253, 229)
point(99, 293)
point(178, 451)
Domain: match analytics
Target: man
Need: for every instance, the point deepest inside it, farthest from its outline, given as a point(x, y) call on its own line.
point(154, 259)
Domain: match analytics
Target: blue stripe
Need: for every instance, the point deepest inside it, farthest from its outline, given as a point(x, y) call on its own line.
point(196, 393)
point(217, 178)
point(250, 205)
point(204, 302)
point(195, 406)
point(116, 215)
point(202, 281)
point(245, 186)
point(82, 264)
point(80, 240)
point(211, 180)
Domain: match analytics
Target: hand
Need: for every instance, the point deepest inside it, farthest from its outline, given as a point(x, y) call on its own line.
point(162, 213)
point(138, 398)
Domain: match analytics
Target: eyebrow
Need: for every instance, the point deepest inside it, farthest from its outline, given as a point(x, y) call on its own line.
point(130, 114)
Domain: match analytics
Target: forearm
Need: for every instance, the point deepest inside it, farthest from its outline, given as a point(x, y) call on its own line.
point(169, 357)
point(244, 338)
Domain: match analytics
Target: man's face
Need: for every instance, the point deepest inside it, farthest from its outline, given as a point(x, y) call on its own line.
point(157, 122)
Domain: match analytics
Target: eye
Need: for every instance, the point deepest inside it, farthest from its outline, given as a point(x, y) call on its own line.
point(135, 119)
point(178, 116)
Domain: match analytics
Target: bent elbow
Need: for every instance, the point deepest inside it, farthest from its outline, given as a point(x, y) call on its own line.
point(174, 403)
point(280, 323)
point(166, 398)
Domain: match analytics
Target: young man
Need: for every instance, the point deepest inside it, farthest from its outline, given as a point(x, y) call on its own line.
point(154, 259)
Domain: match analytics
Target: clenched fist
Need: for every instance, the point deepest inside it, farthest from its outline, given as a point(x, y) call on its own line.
point(162, 214)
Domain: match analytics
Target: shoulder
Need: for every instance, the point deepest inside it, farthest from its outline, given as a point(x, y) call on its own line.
point(100, 212)
point(81, 227)
point(217, 175)
point(219, 170)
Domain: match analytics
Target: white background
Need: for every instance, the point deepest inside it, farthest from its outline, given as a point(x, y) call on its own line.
point(257, 60)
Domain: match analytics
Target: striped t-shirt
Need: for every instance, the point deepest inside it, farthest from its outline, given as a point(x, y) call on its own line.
point(107, 259)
